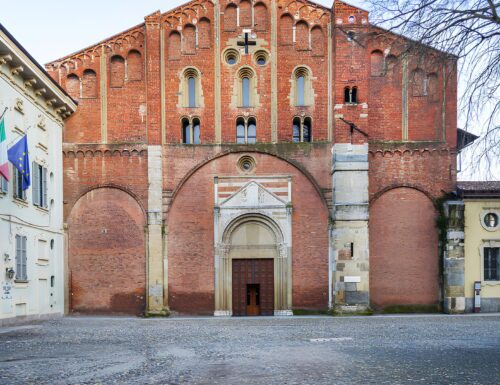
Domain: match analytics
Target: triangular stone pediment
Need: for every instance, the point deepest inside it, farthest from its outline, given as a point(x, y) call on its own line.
point(253, 194)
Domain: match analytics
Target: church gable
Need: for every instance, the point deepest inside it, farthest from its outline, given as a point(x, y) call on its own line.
point(253, 194)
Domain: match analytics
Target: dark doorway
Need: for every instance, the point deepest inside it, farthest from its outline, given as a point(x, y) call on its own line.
point(253, 287)
point(253, 299)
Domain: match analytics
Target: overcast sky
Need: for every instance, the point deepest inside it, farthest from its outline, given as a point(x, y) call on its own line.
point(50, 29)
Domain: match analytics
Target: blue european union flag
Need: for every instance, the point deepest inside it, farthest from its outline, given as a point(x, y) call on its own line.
point(18, 156)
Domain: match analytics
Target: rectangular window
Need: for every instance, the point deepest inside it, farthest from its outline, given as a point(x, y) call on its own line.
point(4, 185)
point(39, 182)
point(301, 89)
point(491, 264)
point(19, 193)
point(21, 259)
point(42, 250)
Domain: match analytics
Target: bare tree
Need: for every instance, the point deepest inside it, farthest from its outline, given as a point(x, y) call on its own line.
point(470, 30)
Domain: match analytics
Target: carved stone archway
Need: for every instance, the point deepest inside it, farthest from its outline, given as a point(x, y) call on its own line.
point(269, 218)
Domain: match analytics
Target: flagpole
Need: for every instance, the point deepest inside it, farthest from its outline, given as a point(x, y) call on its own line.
point(3, 113)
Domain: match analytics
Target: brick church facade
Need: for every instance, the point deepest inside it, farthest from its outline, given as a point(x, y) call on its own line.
point(237, 157)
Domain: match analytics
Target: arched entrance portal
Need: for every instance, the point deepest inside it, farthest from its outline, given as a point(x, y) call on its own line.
point(253, 254)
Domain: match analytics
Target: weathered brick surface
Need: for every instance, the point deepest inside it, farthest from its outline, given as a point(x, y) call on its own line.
point(190, 237)
point(404, 262)
point(107, 268)
point(134, 120)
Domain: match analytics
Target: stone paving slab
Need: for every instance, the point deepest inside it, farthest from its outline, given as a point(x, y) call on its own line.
point(420, 349)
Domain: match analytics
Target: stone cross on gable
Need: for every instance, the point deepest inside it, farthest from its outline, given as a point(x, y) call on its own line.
point(247, 42)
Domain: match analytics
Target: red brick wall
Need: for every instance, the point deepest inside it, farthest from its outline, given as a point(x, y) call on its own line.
point(190, 237)
point(404, 263)
point(107, 264)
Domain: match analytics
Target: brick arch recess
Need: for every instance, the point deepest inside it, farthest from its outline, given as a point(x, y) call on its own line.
point(107, 259)
point(404, 260)
point(191, 234)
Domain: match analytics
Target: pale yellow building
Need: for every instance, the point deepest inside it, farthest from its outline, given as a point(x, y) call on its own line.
point(482, 243)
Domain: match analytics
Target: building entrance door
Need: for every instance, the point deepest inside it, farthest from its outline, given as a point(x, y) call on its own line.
point(253, 287)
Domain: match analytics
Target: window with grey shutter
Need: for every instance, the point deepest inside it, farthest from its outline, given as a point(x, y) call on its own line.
point(21, 258)
point(4, 185)
point(44, 188)
point(35, 182)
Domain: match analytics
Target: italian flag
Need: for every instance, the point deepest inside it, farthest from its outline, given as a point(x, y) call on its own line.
point(4, 165)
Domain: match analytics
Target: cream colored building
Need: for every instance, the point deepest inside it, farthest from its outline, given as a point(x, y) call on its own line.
point(31, 222)
point(482, 243)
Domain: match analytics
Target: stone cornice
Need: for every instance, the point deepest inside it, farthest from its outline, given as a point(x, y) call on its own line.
point(18, 69)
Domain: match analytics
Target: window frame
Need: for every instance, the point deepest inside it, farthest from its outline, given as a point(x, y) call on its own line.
point(301, 123)
point(190, 123)
point(21, 258)
point(18, 192)
point(40, 187)
point(4, 186)
point(489, 255)
point(246, 123)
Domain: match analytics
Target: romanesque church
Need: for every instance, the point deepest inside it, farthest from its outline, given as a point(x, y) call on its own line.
point(256, 157)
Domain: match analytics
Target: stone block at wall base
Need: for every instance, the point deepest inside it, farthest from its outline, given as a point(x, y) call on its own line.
point(454, 305)
point(28, 319)
point(488, 305)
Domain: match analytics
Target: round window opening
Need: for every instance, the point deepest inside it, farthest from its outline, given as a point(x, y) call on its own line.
point(231, 57)
point(491, 220)
point(246, 163)
point(261, 58)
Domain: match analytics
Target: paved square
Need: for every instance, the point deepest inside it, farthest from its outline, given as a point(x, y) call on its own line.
point(435, 349)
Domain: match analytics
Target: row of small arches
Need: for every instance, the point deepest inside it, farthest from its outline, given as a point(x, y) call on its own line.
point(246, 16)
point(422, 83)
point(246, 130)
point(191, 38)
point(301, 35)
point(121, 70)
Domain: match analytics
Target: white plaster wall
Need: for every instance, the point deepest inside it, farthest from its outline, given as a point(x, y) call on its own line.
point(32, 298)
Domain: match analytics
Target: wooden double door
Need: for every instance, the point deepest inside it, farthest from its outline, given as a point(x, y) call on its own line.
point(253, 287)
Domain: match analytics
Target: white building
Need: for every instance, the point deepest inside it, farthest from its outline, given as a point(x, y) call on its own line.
point(31, 222)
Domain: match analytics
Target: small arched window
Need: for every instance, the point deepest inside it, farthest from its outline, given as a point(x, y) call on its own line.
point(351, 95)
point(134, 65)
point(174, 46)
point(73, 86)
point(189, 39)
point(89, 84)
point(301, 129)
point(377, 63)
point(245, 13)
point(251, 131)
point(286, 30)
point(246, 79)
point(261, 17)
point(186, 131)
point(301, 83)
point(204, 34)
point(317, 41)
point(191, 131)
point(303, 89)
point(192, 92)
point(302, 36)
point(418, 82)
point(431, 87)
point(230, 16)
point(117, 71)
point(246, 91)
point(246, 131)
point(296, 130)
point(196, 131)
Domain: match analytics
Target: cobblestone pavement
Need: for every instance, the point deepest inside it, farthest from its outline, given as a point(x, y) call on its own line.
point(426, 350)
